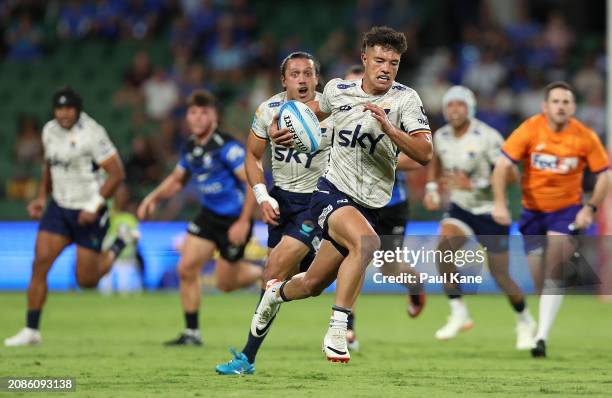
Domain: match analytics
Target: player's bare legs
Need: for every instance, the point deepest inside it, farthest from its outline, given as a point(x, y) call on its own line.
point(349, 228)
point(284, 259)
point(236, 275)
point(452, 238)
point(320, 274)
point(48, 247)
point(498, 266)
point(196, 251)
point(92, 266)
point(194, 254)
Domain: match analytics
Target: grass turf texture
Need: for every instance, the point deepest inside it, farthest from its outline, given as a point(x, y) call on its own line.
point(112, 346)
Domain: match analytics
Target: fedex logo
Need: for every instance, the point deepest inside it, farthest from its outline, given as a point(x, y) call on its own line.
point(364, 140)
point(552, 163)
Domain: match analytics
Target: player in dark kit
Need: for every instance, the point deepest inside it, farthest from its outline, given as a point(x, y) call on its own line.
point(77, 212)
point(215, 163)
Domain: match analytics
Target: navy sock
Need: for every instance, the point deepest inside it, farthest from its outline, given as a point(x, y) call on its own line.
point(520, 306)
point(253, 343)
point(117, 247)
point(351, 322)
point(33, 319)
point(191, 320)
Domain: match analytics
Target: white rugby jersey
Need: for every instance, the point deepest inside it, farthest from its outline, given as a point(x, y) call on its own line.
point(363, 158)
point(474, 153)
point(291, 170)
point(74, 157)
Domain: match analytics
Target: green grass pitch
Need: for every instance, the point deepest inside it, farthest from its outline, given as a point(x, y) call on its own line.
point(112, 346)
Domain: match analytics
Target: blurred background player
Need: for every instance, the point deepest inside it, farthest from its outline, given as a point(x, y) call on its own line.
point(391, 225)
point(465, 152)
point(293, 237)
point(554, 148)
point(77, 212)
point(127, 273)
point(214, 161)
point(357, 182)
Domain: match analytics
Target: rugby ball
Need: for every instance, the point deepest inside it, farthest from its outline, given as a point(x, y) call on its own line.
point(303, 125)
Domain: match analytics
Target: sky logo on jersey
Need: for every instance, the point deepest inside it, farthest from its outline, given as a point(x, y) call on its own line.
point(399, 88)
point(552, 163)
point(274, 104)
point(283, 154)
point(353, 138)
point(345, 108)
point(343, 86)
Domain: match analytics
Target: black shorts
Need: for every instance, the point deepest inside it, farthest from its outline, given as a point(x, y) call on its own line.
point(212, 226)
point(391, 224)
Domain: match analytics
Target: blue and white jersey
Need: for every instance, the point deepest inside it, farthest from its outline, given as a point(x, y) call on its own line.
point(399, 193)
point(213, 168)
point(291, 171)
point(363, 158)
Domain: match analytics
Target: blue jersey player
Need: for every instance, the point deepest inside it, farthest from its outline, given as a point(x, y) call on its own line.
point(215, 163)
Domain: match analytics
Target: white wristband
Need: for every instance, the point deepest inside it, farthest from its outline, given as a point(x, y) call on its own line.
point(94, 203)
point(431, 186)
point(261, 193)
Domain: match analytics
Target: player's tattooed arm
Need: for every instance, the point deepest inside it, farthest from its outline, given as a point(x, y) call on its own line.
point(416, 146)
point(37, 206)
point(169, 187)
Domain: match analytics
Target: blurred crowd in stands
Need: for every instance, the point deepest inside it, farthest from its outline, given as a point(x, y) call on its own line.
point(504, 51)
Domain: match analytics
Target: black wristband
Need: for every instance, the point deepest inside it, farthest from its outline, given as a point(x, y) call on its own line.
point(592, 206)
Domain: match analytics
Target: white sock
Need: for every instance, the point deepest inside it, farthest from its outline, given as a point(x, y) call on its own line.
point(339, 319)
point(192, 332)
point(549, 307)
point(457, 306)
point(524, 316)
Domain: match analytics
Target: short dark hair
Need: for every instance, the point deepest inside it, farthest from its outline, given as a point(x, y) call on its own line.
point(202, 98)
point(386, 37)
point(300, 55)
point(558, 84)
point(354, 69)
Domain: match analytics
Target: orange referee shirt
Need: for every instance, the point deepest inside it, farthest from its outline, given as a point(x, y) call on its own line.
point(554, 162)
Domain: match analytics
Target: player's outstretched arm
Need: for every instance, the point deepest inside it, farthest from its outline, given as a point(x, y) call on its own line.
point(499, 181)
point(37, 206)
point(170, 186)
point(255, 176)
